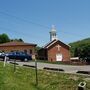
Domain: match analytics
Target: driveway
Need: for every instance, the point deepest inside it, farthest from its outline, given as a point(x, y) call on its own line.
point(66, 68)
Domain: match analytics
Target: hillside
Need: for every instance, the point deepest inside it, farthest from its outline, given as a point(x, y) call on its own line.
point(87, 40)
point(79, 44)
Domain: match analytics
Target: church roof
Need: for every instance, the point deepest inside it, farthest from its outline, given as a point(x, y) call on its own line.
point(53, 42)
point(16, 43)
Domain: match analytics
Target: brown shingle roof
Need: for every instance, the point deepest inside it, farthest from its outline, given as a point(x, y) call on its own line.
point(16, 43)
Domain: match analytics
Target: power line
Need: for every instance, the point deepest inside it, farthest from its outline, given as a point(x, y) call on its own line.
point(71, 34)
point(24, 20)
point(18, 32)
point(26, 34)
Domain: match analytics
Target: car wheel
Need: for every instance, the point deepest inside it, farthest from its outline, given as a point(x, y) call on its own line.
point(25, 59)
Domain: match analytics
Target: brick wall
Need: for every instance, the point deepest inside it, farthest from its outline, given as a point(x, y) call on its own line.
point(53, 50)
point(19, 48)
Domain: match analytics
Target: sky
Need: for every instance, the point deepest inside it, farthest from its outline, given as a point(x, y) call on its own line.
point(31, 20)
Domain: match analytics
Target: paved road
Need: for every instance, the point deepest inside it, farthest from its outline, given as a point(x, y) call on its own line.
point(66, 68)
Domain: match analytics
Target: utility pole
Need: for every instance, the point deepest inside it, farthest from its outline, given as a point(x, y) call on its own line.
point(36, 72)
point(5, 58)
point(14, 65)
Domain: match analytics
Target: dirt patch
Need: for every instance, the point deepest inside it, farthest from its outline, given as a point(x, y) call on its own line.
point(73, 78)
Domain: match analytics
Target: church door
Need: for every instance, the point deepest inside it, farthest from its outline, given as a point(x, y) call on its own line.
point(59, 57)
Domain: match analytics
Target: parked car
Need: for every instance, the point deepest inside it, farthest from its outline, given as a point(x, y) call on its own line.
point(19, 56)
point(2, 55)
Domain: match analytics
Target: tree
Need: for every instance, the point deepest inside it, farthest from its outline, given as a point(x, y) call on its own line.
point(20, 40)
point(4, 38)
point(76, 52)
point(78, 45)
point(85, 52)
point(81, 49)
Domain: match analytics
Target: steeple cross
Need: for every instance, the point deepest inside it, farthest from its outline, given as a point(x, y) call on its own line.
point(58, 46)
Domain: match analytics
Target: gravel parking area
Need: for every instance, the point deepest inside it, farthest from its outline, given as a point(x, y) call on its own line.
point(66, 68)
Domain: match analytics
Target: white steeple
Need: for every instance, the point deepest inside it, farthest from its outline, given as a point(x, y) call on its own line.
point(53, 34)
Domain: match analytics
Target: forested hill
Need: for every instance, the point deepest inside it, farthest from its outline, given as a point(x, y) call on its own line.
point(84, 41)
point(83, 45)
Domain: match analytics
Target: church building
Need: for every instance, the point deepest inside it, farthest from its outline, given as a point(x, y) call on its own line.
point(55, 50)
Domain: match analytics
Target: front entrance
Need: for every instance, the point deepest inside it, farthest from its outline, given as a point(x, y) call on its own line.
point(59, 57)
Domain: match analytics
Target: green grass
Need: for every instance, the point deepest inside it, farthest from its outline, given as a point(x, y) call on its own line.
point(24, 79)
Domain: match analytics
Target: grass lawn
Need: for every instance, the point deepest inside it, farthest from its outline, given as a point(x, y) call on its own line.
point(24, 79)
